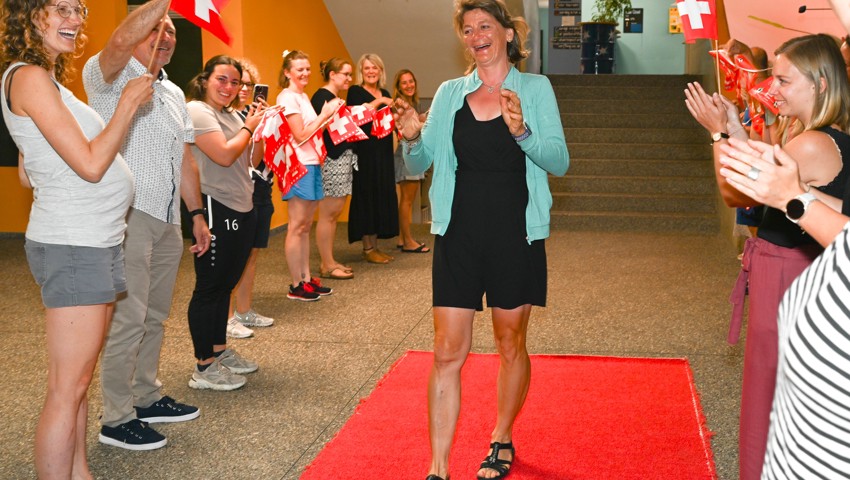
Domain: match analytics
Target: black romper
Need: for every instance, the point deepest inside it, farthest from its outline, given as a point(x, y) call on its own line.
point(485, 247)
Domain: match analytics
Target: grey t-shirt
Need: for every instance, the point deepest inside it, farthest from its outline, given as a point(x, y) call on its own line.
point(231, 185)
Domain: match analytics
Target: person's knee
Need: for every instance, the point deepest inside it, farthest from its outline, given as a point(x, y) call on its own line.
point(449, 353)
point(511, 345)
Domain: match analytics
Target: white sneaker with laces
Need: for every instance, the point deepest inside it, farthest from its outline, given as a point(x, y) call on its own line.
point(253, 319)
point(237, 363)
point(235, 329)
point(216, 377)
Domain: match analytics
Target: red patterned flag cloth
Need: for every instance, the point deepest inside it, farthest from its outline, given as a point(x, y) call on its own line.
point(361, 114)
point(761, 93)
point(699, 19)
point(730, 70)
point(280, 154)
point(319, 146)
point(383, 124)
point(205, 14)
point(342, 127)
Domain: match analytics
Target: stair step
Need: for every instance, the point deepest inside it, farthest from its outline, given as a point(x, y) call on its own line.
point(700, 151)
point(668, 136)
point(619, 202)
point(619, 107)
point(636, 222)
point(661, 81)
point(632, 184)
point(649, 168)
point(573, 92)
point(647, 120)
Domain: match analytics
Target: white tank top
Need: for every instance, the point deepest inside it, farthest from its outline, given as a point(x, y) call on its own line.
point(66, 209)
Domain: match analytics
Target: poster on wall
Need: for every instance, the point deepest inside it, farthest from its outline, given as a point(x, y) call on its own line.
point(633, 21)
point(566, 34)
point(675, 23)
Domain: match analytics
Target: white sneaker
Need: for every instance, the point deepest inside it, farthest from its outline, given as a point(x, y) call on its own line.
point(216, 377)
point(237, 330)
point(253, 319)
point(237, 363)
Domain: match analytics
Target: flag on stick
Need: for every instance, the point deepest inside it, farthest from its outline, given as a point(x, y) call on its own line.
point(205, 14)
point(699, 19)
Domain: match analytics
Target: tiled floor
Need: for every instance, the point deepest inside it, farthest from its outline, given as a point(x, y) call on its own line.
point(609, 294)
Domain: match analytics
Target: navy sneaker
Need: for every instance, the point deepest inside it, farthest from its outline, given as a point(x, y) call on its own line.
point(166, 410)
point(133, 435)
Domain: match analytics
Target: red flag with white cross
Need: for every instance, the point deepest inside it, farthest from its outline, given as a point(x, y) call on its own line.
point(383, 123)
point(319, 146)
point(342, 128)
point(280, 154)
point(699, 19)
point(361, 114)
point(205, 14)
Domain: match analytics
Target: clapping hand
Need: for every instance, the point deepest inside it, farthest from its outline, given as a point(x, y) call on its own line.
point(512, 112)
point(406, 119)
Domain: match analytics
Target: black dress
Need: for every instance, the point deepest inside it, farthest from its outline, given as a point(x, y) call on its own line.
point(485, 249)
point(374, 204)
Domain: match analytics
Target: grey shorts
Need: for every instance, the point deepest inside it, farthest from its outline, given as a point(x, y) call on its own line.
point(70, 276)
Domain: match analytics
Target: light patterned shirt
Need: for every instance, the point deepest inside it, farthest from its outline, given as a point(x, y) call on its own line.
point(154, 145)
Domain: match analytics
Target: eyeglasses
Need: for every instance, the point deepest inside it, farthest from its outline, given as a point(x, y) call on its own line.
point(64, 9)
point(248, 85)
point(222, 80)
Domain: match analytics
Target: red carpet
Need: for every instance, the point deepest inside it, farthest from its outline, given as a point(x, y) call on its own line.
point(586, 418)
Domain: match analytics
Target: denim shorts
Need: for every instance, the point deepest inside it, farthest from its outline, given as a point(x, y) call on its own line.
point(71, 276)
point(309, 187)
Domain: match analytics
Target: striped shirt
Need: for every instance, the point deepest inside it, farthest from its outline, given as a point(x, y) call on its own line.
point(810, 421)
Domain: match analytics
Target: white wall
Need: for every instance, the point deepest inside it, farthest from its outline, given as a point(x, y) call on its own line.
point(414, 34)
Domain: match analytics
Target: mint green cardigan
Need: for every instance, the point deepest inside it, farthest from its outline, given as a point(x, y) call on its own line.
point(545, 150)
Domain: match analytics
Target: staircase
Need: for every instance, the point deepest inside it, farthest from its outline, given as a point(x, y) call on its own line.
point(638, 160)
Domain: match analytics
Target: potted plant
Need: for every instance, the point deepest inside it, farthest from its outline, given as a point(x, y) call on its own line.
point(598, 36)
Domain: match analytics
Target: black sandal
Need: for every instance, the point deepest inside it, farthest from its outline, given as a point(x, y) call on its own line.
point(436, 477)
point(493, 462)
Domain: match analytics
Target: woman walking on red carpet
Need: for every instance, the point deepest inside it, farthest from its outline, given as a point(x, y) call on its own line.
point(493, 136)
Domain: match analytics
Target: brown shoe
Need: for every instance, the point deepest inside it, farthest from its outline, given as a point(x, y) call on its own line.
point(373, 256)
point(385, 254)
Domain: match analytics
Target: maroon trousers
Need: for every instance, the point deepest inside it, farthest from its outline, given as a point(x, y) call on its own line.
point(768, 269)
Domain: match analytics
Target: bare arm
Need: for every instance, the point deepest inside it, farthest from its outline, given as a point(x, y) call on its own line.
point(129, 34)
point(190, 191)
point(223, 151)
point(713, 114)
point(778, 182)
point(35, 95)
point(303, 132)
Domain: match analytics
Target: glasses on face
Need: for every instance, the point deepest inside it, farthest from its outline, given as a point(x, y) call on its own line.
point(222, 80)
point(248, 85)
point(64, 9)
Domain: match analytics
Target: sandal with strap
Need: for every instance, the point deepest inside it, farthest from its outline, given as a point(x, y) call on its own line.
point(436, 477)
point(493, 462)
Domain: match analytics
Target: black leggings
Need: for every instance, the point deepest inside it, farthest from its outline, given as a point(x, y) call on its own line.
point(216, 274)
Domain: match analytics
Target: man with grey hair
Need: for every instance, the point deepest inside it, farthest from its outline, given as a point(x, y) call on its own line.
point(157, 151)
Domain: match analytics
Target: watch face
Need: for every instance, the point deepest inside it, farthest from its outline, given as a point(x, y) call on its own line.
point(795, 209)
point(716, 137)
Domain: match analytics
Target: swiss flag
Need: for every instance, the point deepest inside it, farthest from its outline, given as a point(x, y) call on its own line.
point(699, 19)
point(761, 93)
point(361, 114)
point(280, 153)
point(730, 70)
point(319, 146)
point(205, 14)
point(383, 123)
point(342, 127)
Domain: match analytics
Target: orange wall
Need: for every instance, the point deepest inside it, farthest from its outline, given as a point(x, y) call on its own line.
point(261, 30)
